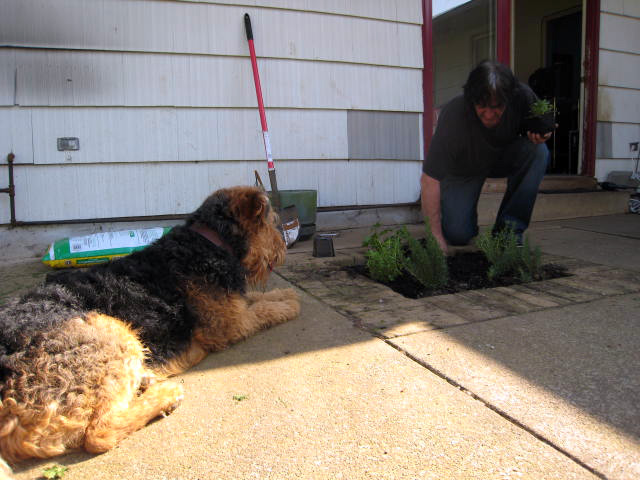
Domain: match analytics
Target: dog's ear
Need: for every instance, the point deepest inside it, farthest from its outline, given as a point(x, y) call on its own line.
point(250, 203)
point(261, 204)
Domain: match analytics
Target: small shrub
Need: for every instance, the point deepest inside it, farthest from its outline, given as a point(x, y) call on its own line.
point(540, 107)
point(427, 263)
point(531, 262)
point(391, 253)
point(506, 257)
point(385, 254)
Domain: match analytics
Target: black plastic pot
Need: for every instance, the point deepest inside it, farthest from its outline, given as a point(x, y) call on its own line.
point(543, 124)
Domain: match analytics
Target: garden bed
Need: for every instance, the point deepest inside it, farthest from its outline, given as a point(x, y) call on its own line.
point(467, 271)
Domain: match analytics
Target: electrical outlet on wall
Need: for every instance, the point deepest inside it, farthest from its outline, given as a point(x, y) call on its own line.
point(633, 147)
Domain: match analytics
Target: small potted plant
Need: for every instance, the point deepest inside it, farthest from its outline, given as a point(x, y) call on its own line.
point(541, 118)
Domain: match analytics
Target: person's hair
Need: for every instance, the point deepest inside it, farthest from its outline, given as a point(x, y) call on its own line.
point(488, 81)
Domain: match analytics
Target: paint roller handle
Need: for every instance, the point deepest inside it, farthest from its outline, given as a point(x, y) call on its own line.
point(247, 26)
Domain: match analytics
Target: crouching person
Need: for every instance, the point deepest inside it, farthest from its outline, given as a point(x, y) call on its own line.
point(481, 134)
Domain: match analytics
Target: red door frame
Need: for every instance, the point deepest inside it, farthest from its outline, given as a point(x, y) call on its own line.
point(591, 62)
point(503, 55)
point(503, 33)
point(427, 74)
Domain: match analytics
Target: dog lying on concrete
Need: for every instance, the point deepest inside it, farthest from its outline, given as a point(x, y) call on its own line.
point(83, 358)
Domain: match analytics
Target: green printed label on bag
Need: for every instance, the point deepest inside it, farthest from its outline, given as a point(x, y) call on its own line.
point(111, 240)
point(100, 247)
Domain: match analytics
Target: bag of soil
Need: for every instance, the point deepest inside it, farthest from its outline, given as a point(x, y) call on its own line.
point(99, 247)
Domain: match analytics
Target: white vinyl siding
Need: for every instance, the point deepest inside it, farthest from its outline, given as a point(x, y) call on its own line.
point(161, 26)
point(63, 78)
point(160, 94)
point(125, 135)
point(619, 86)
point(88, 191)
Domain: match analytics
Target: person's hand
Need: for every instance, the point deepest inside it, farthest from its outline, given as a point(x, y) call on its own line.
point(537, 138)
point(442, 243)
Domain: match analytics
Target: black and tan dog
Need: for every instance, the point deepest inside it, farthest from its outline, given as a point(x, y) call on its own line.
point(83, 357)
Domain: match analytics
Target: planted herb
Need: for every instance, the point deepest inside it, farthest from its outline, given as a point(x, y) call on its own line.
point(420, 269)
point(506, 257)
point(541, 107)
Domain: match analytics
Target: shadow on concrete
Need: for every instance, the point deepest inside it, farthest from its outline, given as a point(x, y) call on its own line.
point(527, 367)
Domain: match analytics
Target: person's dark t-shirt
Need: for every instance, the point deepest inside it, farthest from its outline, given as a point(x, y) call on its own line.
point(462, 146)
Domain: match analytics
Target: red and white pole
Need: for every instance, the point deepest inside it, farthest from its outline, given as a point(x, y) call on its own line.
point(263, 119)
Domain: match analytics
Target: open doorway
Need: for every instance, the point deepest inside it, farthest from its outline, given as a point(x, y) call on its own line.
point(464, 33)
point(547, 56)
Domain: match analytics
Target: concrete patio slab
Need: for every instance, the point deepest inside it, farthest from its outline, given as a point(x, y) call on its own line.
point(319, 399)
point(619, 225)
point(569, 374)
point(611, 240)
point(535, 381)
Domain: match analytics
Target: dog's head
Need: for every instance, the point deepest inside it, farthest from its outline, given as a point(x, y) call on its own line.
point(244, 219)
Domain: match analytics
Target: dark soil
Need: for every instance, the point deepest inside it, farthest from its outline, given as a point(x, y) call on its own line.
point(467, 271)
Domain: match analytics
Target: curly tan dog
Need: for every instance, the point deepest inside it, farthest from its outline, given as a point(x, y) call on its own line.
point(82, 358)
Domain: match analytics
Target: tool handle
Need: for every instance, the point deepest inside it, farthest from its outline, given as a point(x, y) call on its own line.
point(256, 80)
point(247, 26)
point(273, 181)
point(275, 194)
point(259, 181)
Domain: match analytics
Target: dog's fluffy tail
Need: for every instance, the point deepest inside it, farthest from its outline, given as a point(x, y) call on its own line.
point(5, 470)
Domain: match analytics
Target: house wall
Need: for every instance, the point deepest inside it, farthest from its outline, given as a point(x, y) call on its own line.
point(619, 86)
point(160, 94)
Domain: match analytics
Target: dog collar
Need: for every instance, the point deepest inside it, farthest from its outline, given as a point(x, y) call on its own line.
point(212, 236)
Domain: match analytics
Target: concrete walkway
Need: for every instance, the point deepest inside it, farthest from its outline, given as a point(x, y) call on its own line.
point(537, 381)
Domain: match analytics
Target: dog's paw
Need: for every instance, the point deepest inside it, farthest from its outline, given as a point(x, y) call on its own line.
point(289, 294)
point(254, 296)
point(145, 383)
point(171, 408)
point(174, 394)
point(290, 304)
point(292, 299)
point(294, 308)
point(287, 301)
point(281, 295)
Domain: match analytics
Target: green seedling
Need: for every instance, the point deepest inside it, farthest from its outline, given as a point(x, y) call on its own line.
point(385, 254)
point(506, 257)
point(425, 261)
point(55, 472)
point(390, 253)
point(239, 398)
point(540, 108)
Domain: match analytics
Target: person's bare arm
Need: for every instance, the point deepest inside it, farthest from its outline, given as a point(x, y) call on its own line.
point(430, 201)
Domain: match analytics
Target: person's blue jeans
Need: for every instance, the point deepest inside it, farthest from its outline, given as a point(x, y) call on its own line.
point(523, 164)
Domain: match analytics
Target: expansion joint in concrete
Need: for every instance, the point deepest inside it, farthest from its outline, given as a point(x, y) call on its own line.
point(496, 409)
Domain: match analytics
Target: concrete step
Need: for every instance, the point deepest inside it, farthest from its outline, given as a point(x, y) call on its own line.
point(550, 183)
point(32, 241)
point(559, 206)
point(549, 206)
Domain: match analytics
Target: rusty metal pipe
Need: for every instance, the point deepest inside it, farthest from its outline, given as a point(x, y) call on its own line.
point(11, 190)
point(182, 216)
